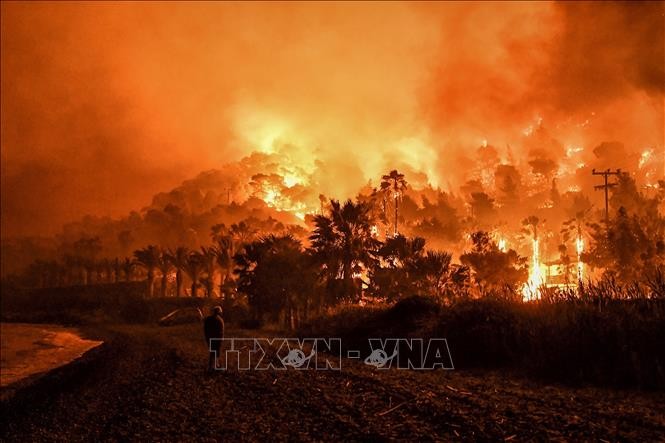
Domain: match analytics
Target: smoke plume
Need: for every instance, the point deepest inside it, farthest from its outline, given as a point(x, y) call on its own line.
point(105, 105)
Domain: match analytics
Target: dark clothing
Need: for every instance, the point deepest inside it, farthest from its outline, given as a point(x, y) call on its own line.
point(213, 327)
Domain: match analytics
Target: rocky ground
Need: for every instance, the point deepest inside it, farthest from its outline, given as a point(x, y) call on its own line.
point(148, 383)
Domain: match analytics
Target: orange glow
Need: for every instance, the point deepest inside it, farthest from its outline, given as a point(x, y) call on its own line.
point(579, 246)
point(130, 116)
point(531, 289)
point(131, 99)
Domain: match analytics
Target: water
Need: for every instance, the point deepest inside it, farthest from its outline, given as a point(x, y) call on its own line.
point(28, 349)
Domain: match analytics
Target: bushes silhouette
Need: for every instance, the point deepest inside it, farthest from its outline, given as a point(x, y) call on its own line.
point(621, 344)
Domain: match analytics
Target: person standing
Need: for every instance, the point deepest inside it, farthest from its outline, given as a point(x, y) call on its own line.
point(213, 329)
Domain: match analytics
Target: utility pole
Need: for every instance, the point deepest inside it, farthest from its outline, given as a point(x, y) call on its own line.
point(395, 232)
point(228, 196)
point(606, 188)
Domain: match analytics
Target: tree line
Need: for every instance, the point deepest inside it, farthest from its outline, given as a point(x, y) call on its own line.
point(343, 260)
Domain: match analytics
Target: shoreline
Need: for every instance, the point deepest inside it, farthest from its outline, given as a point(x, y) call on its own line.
point(51, 376)
point(30, 351)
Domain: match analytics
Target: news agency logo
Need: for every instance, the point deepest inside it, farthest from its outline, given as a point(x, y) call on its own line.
point(326, 354)
point(411, 353)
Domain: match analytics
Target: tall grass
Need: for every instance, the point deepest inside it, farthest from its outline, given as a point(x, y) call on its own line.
point(609, 334)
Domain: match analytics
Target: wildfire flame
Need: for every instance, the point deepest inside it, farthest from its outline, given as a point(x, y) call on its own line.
point(531, 289)
point(579, 244)
point(291, 180)
point(274, 198)
point(645, 157)
point(271, 197)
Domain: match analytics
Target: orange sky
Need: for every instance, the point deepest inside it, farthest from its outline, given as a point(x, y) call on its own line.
point(105, 104)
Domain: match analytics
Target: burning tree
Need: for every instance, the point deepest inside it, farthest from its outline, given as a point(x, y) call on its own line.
point(574, 228)
point(395, 184)
point(531, 289)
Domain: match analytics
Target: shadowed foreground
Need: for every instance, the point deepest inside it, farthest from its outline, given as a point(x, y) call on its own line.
point(148, 383)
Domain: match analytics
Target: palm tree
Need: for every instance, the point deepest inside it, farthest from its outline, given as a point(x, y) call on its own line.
point(408, 268)
point(400, 250)
point(149, 258)
point(37, 272)
point(219, 231)
point(209, 258)
point(108, 270)
point(87, 249)
point(343, 242)
point(73, 265)
point(323, 201)
point(178, 259)
point(277, 276)
point(90, 266)
point(242, 233)
point(194, 266)
point(116, 270)
point(103, 270)
point(128, 268)
point(575, 227)
point(531, 226)
point(434, 267)
point(224, 254)
point(394, 181)
point(164, 265)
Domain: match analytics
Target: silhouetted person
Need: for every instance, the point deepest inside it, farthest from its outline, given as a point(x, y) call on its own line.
point(213, 328)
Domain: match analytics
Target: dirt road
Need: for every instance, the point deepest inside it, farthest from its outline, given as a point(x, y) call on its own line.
point(148, 383)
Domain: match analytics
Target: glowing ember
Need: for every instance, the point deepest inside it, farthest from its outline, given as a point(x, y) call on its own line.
point(531, 289)
point(502, 245)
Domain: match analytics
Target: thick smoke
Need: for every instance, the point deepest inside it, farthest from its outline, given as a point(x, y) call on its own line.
point(586, 72)
point(104, 105)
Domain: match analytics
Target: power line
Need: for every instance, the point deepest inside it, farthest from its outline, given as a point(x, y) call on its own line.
point(606, 187)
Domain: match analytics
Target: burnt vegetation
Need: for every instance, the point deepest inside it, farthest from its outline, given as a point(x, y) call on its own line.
point(365, 267)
